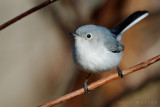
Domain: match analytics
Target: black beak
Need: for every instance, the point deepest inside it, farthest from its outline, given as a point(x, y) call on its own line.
point(73, 33)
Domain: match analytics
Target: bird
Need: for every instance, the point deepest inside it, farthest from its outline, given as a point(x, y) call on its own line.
point(98, 49)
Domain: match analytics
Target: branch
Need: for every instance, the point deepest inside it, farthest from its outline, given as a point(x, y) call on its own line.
point(6, 24)
point(102, 82)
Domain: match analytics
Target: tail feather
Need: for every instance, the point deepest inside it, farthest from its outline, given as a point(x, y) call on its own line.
point(129, 22)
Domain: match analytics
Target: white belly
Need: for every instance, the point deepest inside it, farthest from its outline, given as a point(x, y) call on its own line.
point(97, 60)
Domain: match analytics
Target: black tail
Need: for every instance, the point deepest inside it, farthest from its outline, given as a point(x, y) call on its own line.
point(129, 22)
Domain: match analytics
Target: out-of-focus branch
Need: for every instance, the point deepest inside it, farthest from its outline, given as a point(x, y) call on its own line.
point(47, 2)
point(102, 82)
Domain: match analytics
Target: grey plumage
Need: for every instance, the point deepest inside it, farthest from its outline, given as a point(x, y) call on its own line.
point(99, 32)
point(98, 49)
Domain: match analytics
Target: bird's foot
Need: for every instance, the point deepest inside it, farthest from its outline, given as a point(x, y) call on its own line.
point(86, 88)
point(120, 72)
point(85, 84)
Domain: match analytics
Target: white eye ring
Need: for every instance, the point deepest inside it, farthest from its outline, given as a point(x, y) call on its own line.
point(88, 36)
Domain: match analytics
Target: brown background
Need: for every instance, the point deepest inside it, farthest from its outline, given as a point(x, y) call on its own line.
point(36, 63)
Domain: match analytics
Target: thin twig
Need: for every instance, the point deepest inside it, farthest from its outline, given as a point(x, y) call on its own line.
point(47, 2)
point(102, 82)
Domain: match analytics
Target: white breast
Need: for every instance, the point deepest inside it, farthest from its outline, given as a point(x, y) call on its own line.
point(95, 60)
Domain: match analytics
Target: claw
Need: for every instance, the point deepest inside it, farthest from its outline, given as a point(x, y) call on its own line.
point(120, 72)
point(85, 84)
point(86, 88)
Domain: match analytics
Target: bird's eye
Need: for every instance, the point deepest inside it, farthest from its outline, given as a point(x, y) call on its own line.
point(88, 36)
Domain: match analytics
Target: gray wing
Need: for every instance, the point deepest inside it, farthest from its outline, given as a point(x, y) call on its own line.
point(113, 45)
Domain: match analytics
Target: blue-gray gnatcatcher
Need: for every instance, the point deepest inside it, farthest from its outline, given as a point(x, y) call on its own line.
point(98, 49)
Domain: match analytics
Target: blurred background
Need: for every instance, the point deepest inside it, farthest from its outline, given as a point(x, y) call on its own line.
point(36, 64)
